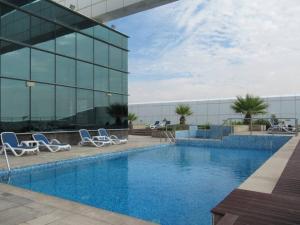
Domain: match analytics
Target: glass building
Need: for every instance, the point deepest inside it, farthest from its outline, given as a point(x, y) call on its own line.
point(59, 69)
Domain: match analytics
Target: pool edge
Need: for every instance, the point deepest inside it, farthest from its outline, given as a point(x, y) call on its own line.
point(266, 177)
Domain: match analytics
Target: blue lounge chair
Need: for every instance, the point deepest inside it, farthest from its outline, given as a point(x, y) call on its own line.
point(53, 145)
point(10, 142)
point(87, 139)
point(112, 138)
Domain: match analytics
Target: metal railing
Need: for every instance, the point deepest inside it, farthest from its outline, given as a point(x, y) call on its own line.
point(6, 158)
point(242, 126)
point(264, 125)
point(170, 136)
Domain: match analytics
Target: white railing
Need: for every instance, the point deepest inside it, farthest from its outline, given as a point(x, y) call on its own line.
point(6, 158)
point(170, 136)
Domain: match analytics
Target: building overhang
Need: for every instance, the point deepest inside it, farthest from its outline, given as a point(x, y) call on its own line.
point(107, 10)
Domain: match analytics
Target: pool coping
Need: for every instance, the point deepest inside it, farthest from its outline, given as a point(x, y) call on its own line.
point(265, 178)
point(100, 155)
point(256, 206)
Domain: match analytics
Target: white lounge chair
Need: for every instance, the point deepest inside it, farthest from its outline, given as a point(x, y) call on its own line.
point(281, 127)
point(155, 125)
point(87, 139)
point(10, 142)
point(53, 145)
point(103, 134)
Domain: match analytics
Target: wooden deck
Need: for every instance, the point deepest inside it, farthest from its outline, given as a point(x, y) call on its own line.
point(281, 207)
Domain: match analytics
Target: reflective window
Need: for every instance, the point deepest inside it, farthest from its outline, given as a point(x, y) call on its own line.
point(84, 75)
point(65, 44)
point(125, 84)
point(40, 7)
point(42, 102)
point(100, 78)
point(125, 43)
point(85, 108)
point(65, 103)
point(118, 110)
point(15, 25)
point(101, 32)
point(65, 71)
point(101, 53)
point(42, 34)
point(115, 81)
point(115, 39)
point(14, 100)
point(115, 58)
point(125, 61)
point(42, 66)
point(89, 31)
point(125, 99)
point(15, 61)
point(116, 99)
point(84, 47)
point(72, 70)
point(101, 104)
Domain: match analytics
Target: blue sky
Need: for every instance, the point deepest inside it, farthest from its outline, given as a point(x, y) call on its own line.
point(201, 49)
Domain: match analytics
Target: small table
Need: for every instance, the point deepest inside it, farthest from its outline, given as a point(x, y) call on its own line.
point(30, 143)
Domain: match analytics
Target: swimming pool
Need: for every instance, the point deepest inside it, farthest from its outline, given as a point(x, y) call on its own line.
point(170, 185)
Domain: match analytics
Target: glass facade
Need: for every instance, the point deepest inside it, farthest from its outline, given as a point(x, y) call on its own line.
point(59, 70)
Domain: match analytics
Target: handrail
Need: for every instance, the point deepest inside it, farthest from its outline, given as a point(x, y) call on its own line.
point(296, 124)
point(6, 158)
point(170, 137)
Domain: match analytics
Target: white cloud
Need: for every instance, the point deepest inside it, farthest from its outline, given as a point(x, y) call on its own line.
point(228, 48)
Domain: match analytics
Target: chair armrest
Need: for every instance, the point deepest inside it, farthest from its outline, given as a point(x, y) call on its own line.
point(55, 141)
point(113, 137)
point(100, 138)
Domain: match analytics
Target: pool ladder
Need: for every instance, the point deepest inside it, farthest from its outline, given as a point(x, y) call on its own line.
point(170, 136)
point(6, 157)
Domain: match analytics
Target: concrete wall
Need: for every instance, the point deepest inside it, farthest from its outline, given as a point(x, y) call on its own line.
point(106, 10)
point(212, 111)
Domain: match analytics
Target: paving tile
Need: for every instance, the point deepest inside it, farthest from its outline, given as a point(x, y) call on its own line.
point(78, 220)
point(118, 219)
point(42, 208)
point(6, 204)
point(17, 199)
point(48, 218)
point(16, 215)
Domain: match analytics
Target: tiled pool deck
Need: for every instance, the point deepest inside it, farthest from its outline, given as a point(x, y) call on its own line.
point(23, 207)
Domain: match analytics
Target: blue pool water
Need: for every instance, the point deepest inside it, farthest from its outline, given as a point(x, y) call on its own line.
point(170, 185)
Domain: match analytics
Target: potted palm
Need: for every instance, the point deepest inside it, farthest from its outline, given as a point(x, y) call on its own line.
point(183, 111)
point(249, 106)
point(131, 117)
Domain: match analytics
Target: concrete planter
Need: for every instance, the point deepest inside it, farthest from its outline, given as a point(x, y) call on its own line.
point(240, 128)
point(259, 128)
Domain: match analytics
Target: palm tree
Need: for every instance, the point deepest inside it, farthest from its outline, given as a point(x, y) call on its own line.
point(131, 117)
point(249, 106)
point(183, 111)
